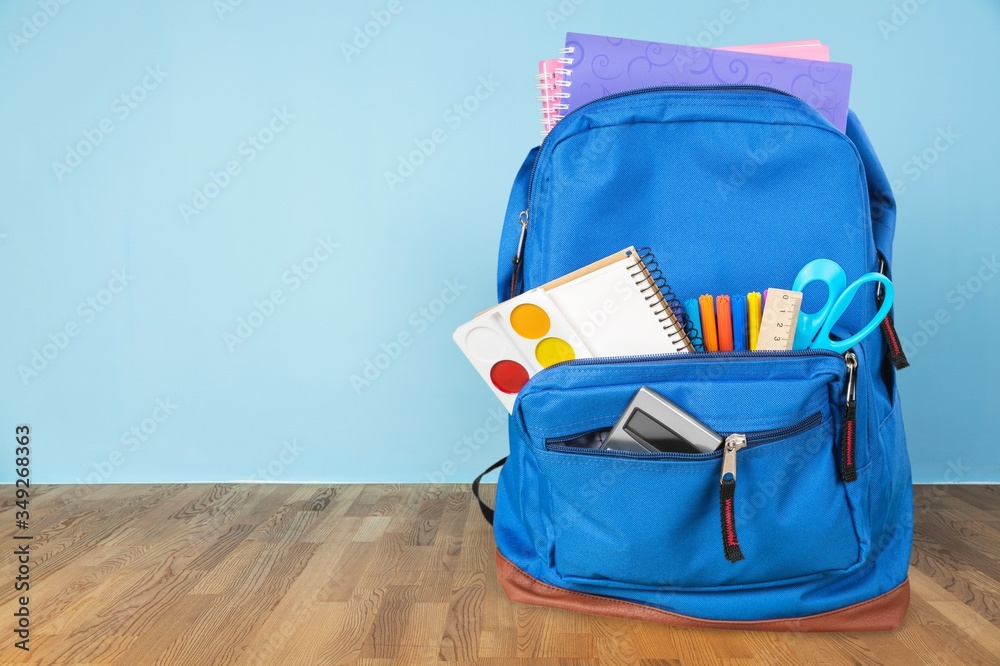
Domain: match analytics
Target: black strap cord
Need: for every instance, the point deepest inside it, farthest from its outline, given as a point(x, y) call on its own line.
point(487, 511)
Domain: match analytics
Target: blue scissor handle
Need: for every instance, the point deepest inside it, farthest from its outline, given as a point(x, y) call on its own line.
point(809, 323)
point(823, 340)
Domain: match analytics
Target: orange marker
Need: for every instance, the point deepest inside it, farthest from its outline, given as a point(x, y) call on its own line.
point(707, 306)
point(724, 317)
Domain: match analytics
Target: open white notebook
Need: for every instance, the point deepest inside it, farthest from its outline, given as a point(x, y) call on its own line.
point(618, 307)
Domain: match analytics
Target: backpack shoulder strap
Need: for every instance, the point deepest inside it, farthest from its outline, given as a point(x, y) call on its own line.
point(487, 511)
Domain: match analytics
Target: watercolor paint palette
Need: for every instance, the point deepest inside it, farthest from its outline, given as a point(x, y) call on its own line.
point(511, 342)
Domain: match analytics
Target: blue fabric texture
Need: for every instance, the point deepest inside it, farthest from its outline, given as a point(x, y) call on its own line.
point(734, 191)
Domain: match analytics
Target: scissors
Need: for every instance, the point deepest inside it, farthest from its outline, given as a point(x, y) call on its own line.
point(813, 328)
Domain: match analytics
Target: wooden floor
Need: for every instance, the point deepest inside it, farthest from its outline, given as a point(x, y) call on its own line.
point(280, 574)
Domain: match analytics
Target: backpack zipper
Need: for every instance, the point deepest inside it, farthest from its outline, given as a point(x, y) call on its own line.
point(848, 436)
point(727, 496)
point(895, 347)
point(519, 255)
point(700, 356)
point(734, 442)
point(523, 219)
point(756, 438)
point(688, 357)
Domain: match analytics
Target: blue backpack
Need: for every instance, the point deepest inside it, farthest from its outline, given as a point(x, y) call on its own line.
point(734, 189)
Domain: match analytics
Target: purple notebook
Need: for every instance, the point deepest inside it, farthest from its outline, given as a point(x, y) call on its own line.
point(607, 65)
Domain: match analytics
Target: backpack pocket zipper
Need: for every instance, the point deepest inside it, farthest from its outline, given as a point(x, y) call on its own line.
point(727, 496)
point(733, 444)
point(848, 436)
point(756, 438)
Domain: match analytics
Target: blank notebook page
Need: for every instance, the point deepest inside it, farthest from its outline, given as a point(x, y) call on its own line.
point(612, 315)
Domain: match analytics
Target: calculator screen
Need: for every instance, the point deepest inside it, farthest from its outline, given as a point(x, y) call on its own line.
point(648, 430)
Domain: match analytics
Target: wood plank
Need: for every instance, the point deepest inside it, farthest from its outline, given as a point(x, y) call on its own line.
point(404, 574)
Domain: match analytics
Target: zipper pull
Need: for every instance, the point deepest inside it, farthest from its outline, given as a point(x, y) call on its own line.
point(848, 437)
point(519, 255)
point(889, 334)
point(727, 496)
point(896, 354)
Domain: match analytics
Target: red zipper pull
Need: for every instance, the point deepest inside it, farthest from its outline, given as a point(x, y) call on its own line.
point(889, 334)
point(896, 354)
point(727, 496)
point(849, 434)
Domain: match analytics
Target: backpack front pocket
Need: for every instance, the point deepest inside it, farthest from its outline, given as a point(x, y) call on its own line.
point(779, 512)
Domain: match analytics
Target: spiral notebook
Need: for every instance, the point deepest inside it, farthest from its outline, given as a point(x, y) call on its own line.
point(618, 306)
point(592, 66)
point(622, 305)
point(551, 85)
point(607, 65)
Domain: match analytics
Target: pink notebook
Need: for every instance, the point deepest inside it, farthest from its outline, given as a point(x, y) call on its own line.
point(808, 49)
point(551, 96)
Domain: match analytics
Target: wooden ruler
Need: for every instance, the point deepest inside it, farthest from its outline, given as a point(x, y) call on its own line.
point(777, 324)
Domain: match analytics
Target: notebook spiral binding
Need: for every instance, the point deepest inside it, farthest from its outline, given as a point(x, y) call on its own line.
point(552, 85)
point(670, 307)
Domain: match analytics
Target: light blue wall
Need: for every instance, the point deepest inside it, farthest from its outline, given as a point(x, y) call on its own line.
point(281, 404)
